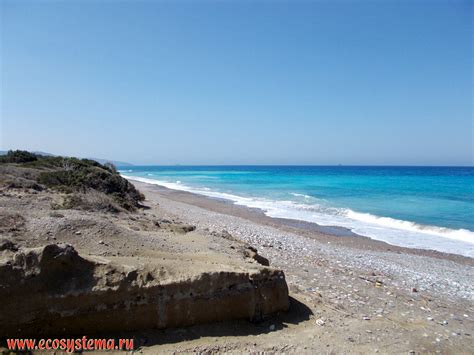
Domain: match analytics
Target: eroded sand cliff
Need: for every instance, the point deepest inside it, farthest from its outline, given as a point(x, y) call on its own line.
point(70, 266)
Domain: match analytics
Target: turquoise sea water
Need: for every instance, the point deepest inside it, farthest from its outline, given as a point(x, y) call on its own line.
point(422, 207)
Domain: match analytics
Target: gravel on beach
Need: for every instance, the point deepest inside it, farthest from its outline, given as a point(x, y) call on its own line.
point(377, 299)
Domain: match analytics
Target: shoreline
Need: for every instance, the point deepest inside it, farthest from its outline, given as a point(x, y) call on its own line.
point(339, 236)
point(432, 271)
point(361, 295)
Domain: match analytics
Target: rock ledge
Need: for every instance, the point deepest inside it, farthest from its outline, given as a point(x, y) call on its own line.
point(52, 290)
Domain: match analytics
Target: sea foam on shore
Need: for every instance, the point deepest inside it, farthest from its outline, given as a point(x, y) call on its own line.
point(390, 230)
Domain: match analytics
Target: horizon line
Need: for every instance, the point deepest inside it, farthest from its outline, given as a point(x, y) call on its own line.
point(241, 164)
point(308, 165)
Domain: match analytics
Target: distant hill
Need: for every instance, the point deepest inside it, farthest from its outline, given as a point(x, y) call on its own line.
point(115, 162)
point(3, 152)
point(99, 160)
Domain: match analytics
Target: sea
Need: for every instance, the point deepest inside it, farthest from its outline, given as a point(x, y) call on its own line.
point(417, 207)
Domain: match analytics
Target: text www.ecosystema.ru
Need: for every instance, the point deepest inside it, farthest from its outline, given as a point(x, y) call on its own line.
point(70, 345)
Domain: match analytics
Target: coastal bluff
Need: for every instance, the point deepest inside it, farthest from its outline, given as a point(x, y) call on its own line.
point(53, 290)
point(83, 252)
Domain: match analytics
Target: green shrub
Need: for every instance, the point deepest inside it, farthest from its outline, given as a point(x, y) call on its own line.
point(73, 175)
point(80, 176)
point(111, 167)
point(18, 156)
point(90, 201)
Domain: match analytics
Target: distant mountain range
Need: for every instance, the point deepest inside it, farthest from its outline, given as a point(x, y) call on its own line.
point(115, 162)
point(99, 160)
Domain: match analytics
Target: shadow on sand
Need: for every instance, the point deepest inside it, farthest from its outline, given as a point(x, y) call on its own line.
point(297, 313)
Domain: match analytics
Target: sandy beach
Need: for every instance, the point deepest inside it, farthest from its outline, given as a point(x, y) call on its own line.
point(351, 293)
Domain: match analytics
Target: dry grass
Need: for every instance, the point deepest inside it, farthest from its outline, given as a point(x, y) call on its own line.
point(90, 201)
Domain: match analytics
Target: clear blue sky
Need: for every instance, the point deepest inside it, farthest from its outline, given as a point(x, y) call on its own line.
point(240, 82)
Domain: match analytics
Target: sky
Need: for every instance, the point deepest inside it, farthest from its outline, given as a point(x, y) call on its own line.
point(240, 82)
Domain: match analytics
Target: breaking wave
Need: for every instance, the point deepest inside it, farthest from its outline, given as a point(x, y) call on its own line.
point(393, 231)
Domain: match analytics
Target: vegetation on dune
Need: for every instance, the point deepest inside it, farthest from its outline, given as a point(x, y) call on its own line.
point(80, 176)
point(18, 156)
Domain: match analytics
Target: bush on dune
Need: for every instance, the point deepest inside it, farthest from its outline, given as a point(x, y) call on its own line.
point(81, 178)
point(73, 175)
point(90, 201)
point(18, 156)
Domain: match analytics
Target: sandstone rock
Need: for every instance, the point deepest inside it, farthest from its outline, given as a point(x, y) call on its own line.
point(251, 252)
point(226, 235)
point(182, 228)
point(53, 290)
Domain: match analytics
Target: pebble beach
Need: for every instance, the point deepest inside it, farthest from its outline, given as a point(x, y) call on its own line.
point(361, 292)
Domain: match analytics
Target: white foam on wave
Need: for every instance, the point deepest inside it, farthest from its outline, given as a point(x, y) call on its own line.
point(457, 234)
point(390, 230)
point(300, 195)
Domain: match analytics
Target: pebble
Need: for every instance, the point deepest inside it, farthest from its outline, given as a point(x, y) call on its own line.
point(289, 250)
point(272, 327)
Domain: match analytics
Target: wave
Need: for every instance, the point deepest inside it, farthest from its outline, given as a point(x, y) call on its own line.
point(300, 195)
point(393, 231)
point(457, 234)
